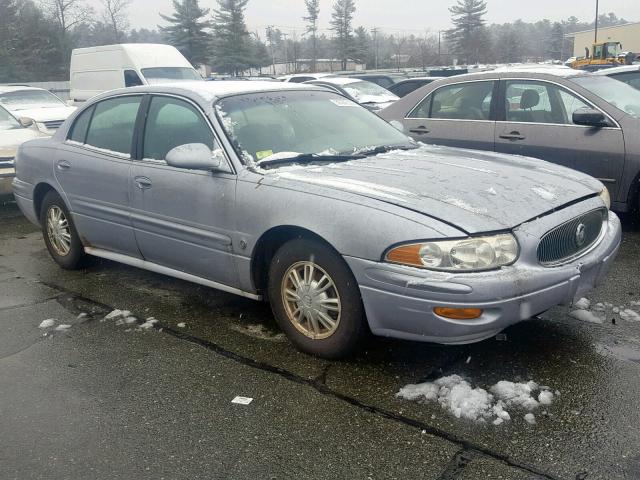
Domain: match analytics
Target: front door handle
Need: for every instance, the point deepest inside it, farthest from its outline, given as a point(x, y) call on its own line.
point(63, 165)
point(513, 136)
point(143, 183)
point(421, 130)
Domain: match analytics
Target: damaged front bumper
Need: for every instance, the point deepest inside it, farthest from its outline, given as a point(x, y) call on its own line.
point(399, 301)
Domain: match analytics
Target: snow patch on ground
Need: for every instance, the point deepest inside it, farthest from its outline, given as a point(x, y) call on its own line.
point(586, 316)
point(458, 397)
point(259, 331)
point(149, 324)
point(585, 312)
point(62, 328)
point(118, 314)
point(47, 323)
point(182, 325)
point(583, 304)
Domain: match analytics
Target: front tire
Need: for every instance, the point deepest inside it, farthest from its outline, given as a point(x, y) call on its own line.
point(60, 234)
point(316, 299)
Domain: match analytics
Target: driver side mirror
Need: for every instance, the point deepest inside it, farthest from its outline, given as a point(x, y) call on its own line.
point(195, 156)
point(590, 118)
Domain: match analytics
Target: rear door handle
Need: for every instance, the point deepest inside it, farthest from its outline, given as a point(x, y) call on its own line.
point(513, 136)
point(421, 130)
point(143, 183)
point(63, 165)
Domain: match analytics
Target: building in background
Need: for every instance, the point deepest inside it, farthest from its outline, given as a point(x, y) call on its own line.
point(628, 35)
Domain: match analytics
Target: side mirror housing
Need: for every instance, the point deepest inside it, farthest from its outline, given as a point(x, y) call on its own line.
point(195, 156)
point(590, 118)
point(26, 122)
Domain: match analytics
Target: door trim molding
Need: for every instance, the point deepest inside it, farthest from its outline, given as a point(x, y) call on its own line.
point(154, 267)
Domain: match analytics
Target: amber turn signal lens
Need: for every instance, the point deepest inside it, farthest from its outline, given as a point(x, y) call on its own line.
point(458, 313)
point(407, 255)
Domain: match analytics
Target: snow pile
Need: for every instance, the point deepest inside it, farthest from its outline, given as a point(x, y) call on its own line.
point(149, 324)
point(182, 325)
point(458, 397)
point(598, 313)
point(62, 328)
point(47, 323)
point(118, 314)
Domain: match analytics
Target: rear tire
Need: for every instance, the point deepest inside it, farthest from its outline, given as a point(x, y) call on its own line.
point(60, 234)
point(316, 300)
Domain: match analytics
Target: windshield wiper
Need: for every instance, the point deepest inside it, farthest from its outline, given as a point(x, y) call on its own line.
point(384, 149)
point(310, 158)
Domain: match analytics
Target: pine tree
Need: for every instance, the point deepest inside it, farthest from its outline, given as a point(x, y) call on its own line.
point(468, 35)
point(341, 24)
point(555, 42)
point(188, 31)
point(232, 46)
point(313, 12)
point(361, 45)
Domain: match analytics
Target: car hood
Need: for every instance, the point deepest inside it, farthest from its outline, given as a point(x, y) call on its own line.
point(472, 190)
point(44, 114)
point(10, 140)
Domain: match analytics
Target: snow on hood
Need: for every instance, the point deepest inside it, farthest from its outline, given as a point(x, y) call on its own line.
point(476, 191)
point(10, 140)
point(44, 114)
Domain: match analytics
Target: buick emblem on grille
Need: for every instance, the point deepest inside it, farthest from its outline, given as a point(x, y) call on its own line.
point(581, 234)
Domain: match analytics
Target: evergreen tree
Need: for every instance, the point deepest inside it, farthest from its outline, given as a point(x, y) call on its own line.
point(341, 24)
point(468, 36)
point(555, 43)
point(188, 31)
point(313, 12)
point(361, 45)
point(232, 44)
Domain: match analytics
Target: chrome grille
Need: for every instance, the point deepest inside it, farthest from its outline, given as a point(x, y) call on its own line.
point(570, 239)
point(53, 124)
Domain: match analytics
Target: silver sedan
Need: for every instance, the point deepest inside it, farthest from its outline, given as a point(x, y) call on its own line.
point(299, 196)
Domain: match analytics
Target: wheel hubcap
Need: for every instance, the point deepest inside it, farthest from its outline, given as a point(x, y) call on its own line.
point(58, 231)
point(311, 300)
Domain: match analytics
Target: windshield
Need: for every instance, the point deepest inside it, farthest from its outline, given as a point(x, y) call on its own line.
point(363, 89)
point(24, 99)
point(8, 121)
point(618, 94)
point(275, 124)
point(174, 74)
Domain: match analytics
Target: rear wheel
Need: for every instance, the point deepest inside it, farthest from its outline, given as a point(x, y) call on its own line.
point(60, 235)
point(316, 299)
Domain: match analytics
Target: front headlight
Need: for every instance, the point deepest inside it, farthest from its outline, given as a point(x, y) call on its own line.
point(606, 197)
point(466, 255)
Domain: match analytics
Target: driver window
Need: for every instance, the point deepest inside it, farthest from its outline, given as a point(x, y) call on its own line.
point(172, 122)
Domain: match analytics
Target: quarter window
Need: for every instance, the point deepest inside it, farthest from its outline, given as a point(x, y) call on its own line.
point(171, 123)
point(540, 102)
point(113, 123)
point(467, 101)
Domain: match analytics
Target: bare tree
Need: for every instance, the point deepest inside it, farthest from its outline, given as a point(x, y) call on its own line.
point(115, 15)
point(67, 14)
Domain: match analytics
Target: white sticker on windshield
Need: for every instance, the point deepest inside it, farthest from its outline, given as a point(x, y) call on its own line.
point(343, 102)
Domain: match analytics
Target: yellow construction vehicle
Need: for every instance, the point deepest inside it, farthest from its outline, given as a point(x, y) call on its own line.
point(604, 54)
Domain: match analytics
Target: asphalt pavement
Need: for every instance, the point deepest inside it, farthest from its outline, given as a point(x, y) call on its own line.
point(108, 399)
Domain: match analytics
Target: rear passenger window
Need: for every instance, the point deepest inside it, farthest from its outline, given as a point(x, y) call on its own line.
point(79, 129)
point(171, 123)
point(467, 101)
point(113, 123)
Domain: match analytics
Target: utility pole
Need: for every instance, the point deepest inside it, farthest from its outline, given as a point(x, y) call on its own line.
point(375, 45)
point(440, 47)
point(286, 51)
point(597, 15)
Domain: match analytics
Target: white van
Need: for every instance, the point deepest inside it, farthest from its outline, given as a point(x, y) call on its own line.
point(97, 69)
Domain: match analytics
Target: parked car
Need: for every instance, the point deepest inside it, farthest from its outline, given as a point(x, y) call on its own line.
point(405, 87)
point(294, 194)
point(568, 117)
point(629, 74)
point(369, 95)
point(385, 80)
point(38, 104)
point(304, 77)
point(12, 135)
point(98, 69)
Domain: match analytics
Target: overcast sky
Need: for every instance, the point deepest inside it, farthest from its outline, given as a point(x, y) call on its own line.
point(410, 16)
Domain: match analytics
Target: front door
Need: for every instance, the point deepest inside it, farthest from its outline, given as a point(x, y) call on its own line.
point(457, 115)
point(183, 219)
point(93, 168)
point(538, 123)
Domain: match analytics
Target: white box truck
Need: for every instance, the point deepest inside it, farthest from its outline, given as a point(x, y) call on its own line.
point(97, 69)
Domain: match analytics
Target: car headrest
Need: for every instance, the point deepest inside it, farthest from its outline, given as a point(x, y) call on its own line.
point(530, 99)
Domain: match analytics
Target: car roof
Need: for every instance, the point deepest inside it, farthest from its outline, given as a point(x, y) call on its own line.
point(555, 70)
point(210, 91)
point(411, 79)
point(612, 71)
point(535, 73)
point(17, 88)
point(341, 80)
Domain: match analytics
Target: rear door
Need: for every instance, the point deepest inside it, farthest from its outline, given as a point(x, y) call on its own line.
point(93, 168)
point(183, 219)
point(457, 115)
point(537, 122)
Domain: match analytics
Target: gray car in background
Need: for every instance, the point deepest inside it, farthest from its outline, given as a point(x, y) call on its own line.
point(567, 117)
point(298, 195)
point(629, 74)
